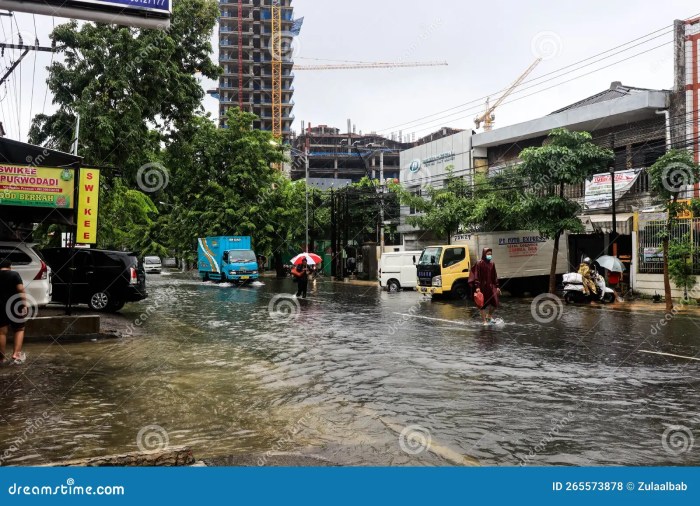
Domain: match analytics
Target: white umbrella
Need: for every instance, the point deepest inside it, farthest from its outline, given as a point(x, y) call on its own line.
point(311, 259)
point(610, 263)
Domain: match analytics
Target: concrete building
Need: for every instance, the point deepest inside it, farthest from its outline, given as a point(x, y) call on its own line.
point(348, 155)
point(427, 164)
point(245, 54)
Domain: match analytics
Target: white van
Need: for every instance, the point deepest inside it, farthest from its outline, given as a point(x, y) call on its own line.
point(398, 270)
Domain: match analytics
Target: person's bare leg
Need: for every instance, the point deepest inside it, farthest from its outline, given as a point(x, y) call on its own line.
point(18, 341)
point(491, 310)
point(483, 316)
point(3, 341)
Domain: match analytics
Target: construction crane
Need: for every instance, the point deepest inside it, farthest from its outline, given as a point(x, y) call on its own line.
point(371, 65)
point(488, 117)
point(276, 69)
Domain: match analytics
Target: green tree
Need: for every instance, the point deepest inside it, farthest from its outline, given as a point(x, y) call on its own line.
point(442, 210)
point(133, 89)
point(497, 202)
point(668, 179)
point(680, 263)
point(568, 158)
point(223, 183)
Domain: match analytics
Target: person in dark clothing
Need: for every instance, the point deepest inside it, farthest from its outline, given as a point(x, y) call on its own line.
point(13, 311)
point(483, 278)
point(301, 273)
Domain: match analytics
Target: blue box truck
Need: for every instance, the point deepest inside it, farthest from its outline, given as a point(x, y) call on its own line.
point(227, 259)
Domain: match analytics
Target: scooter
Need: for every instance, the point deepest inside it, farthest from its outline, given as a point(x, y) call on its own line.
point(573, 290)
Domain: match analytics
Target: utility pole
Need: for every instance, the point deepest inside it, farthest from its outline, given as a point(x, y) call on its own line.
point(77, 134)
point(381, 203)
point(25, 51)
point(306, 167)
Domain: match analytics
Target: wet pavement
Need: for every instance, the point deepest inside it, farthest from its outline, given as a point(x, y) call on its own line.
point(356, 376)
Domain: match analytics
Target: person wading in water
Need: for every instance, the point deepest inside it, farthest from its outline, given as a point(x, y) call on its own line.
point(301, 273)
point(483, 279)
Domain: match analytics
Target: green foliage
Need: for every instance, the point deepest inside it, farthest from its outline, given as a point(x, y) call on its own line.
point(668, 178)
point(222, 183)
point(569, 158)
point(680, 262)
point(497, 203)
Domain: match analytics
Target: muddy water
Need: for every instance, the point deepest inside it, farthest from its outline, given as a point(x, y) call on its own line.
point(360, 377)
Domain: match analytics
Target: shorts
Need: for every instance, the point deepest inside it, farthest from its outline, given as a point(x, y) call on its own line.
point(15, 323)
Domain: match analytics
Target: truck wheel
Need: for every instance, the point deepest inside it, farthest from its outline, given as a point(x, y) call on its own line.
point(461, 291)
point(393, 286)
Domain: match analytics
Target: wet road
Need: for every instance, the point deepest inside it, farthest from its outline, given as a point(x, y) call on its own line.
point(362, 377)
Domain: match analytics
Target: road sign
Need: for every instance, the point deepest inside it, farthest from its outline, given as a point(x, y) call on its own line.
point(138, 13)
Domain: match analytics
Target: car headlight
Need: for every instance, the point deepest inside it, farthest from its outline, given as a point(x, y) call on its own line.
point(232, 273)
point(254, 272)
point(437, 281)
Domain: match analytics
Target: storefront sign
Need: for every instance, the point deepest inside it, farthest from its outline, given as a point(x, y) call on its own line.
point(26, 185)
point(599, 189)
point(89, 194)
point(653, 255)
point(442, 157)
point(522, 246)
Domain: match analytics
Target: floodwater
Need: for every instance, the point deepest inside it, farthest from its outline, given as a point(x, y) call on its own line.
point(361, 377)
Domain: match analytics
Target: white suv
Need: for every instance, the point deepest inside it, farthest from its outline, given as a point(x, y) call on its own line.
point(36, 275)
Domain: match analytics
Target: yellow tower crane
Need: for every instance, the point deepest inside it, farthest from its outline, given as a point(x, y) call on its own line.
point(276, 69)
point(488, 117)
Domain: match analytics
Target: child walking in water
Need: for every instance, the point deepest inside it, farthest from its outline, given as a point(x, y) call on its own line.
point(484, 280)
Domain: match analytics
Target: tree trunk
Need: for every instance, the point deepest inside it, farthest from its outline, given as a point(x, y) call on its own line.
point(279, 265)
point(667, 281)
point(553, 269)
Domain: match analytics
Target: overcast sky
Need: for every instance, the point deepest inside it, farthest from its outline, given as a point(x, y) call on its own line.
point(486, 44)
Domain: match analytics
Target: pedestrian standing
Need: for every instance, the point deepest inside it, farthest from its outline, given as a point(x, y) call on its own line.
point(301, 274)
point(483, 279)
point(13, 312)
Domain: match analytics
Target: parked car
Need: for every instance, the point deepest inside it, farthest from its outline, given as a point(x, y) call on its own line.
point(152, 265)
point(104, 280)
point(36, 275)
point(398, 270)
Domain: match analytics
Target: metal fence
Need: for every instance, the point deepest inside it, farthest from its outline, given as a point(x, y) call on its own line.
point(650, 248)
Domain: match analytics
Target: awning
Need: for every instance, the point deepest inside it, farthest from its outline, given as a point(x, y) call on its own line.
point(603, 223)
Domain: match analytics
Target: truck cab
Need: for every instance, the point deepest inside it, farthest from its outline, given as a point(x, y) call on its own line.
point(444, 270)
point(227, 259)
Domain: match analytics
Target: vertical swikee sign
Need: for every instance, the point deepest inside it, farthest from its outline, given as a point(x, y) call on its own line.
point(88, 200)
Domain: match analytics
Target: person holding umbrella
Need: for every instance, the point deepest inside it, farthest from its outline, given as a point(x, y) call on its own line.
point(301, 274)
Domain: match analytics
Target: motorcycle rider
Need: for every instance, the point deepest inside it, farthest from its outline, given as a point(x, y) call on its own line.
point(589, 286)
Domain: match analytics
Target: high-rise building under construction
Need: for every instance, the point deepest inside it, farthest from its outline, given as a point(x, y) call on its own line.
point(256, 55)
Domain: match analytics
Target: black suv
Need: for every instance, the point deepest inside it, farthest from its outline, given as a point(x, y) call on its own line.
point(104, 280)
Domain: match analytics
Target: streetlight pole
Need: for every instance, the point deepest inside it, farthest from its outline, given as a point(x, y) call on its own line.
point(306, 166)
point(614, 213)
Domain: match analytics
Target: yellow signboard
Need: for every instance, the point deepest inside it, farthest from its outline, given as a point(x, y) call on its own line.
point(88, 198)
point(26, 185)
point(686, 213)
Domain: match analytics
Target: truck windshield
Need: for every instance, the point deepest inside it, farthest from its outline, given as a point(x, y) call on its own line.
point(240, 256)
point(430, 256)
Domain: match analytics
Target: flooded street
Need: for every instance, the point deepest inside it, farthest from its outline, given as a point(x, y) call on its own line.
point(361, 377)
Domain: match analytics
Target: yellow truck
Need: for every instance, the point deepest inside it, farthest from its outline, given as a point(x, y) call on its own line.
point(444, 270)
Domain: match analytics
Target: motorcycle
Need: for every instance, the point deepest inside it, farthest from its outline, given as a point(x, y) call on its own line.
point(573, 290)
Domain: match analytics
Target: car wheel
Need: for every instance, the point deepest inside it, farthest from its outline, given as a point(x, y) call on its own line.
point(393, 286)
point(100, 301)
point(569, 298)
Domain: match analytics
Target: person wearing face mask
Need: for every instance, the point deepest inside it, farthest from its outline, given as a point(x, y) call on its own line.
point(483, 279)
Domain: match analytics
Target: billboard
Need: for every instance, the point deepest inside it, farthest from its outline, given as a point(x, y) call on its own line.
point(26, 185)
point(599, 188)
point(138, 13)
point(88, 199)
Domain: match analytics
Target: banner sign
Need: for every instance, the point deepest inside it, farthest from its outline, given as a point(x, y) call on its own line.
point(599, 189)
point(26, 185)
point(138, 13)
point(88, 196)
